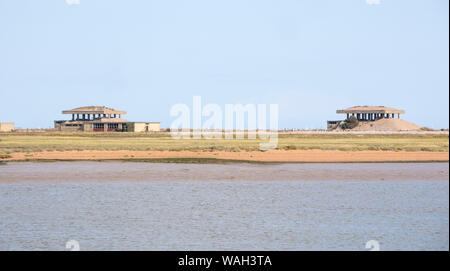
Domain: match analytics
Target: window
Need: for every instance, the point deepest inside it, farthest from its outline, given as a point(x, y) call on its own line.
point(113, 126)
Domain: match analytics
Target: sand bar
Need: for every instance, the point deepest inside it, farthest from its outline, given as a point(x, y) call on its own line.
point(251, 156)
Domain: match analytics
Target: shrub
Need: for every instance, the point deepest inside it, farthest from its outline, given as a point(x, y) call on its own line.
point(290, 147)
point(4, 155)
point(426, 129)
point(350, 123)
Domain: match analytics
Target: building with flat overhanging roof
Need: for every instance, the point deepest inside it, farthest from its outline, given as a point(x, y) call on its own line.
point(371, 113)
point(366, 113)
point(102, 119)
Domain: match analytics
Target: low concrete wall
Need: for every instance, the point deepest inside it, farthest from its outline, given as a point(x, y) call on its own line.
point(333, 124)
point(154, 126)
point(6, 127)
point(64, 127)
point(88, 127)
point(143, 127)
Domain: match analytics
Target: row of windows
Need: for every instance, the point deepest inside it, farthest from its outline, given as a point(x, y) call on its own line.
point(111, 126)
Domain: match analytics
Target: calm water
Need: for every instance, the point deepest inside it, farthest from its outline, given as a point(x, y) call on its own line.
point(144, 206)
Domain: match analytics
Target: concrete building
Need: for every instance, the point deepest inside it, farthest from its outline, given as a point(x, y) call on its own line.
point(102, 119)
point(6, 126)
point(366, 113)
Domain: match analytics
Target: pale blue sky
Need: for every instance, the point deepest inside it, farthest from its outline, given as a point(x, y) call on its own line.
point(311, 57)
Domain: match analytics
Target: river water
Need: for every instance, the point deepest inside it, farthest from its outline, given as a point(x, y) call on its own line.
point(151, 206)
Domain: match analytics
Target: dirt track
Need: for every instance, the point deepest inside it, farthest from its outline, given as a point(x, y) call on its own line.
point(255, 156)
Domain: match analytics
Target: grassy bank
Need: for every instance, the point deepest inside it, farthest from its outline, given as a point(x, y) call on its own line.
point(37, 142)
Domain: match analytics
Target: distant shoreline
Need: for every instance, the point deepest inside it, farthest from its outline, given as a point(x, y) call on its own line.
point(151, 147)
point(273, 156)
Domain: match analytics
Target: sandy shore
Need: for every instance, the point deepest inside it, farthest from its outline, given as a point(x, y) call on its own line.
point(251, 156)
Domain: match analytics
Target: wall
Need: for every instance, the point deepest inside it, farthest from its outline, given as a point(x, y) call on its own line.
point(66, 127)
point(143, 127)
point(333, 124)
point(88, 127)
point(137, 127)
point(6, 127)
point(154, 126)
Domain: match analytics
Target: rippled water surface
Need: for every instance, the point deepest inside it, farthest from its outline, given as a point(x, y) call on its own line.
point(141, 206)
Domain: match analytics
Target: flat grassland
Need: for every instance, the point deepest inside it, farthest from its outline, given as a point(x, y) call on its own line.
point(29, 143)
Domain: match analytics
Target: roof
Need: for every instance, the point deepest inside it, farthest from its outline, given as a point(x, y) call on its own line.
point(94, 110)
point(153, 122)
point(102, 120)
point(370, 109)
point(108, 120)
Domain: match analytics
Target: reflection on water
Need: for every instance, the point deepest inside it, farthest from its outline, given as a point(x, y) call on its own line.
point(215, 215)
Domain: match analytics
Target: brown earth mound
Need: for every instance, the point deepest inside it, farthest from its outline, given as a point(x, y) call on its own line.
point(387, 125)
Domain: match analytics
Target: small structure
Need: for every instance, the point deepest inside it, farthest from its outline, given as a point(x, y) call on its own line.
point(366, 113)
point(144, 126)
point(102, 119)
point(6, 127)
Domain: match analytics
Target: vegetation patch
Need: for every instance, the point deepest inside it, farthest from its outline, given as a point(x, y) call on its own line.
point(39, 142)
